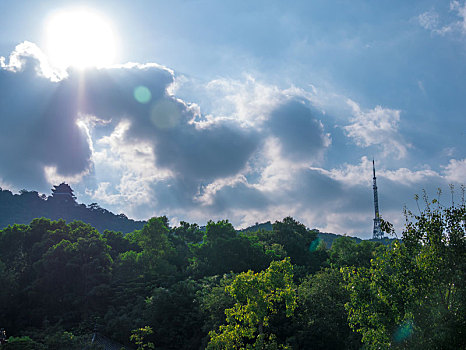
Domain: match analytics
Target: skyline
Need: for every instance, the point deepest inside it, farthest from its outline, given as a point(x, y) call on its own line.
point(243, 111)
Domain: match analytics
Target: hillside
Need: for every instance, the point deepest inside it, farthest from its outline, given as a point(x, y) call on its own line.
point(328, 238)
point(22, 208)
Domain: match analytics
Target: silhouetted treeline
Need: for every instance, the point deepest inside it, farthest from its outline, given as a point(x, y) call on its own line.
point(22, 208)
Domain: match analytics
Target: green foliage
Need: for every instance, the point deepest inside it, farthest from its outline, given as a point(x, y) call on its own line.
point(156, 252)
point(174, 316)
point(48, 340)
point(413, 295)
point(65, 340)
point(223, 251)
point(219, 230)
point(72, 275)
point(346, 252)
point(289, 238)
point(258, 296)
point(321, 318)
point(118, 243)
point(295, 239)
point(189, 233)
point(213, 300)
point(21, 343)
point(181, 288)
point(139, 336)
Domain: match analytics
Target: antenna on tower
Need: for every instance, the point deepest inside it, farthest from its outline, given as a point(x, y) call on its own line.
point(377, 232)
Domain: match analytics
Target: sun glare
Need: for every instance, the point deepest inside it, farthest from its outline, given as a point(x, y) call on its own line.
point(80, 38)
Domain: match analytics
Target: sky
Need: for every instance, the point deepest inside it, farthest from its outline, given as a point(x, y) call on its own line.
point(249, 111)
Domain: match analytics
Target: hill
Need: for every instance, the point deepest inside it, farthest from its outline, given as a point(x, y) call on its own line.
point(22, 208)
point(328, 238)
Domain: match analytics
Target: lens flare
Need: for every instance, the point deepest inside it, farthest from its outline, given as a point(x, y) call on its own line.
point(404, 331)
point(314, 245)
point(142, 94)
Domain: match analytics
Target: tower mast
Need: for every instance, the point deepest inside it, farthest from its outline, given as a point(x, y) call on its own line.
point(377, 232)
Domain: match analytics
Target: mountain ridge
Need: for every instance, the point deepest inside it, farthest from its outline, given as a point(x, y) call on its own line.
point(22, 208)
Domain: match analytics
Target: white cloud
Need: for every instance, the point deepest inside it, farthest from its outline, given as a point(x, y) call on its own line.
point(53, 177)
point(351, 175)
point(408, 177)
point(378, 126)
point(30, 51)
point(125, 170)
point(359, 174)
point(455, 171)
point(248, 101)
point(431, 20)
point(460, 12)
point(207, 193)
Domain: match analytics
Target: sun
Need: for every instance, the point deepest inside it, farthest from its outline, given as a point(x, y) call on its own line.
point(80, 38)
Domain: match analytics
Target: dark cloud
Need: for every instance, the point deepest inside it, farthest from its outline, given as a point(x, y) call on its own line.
point(300, 133)
point(191, 151)
point(312, 186)
point(110, 92)
point(38, 127)
point(239, 195)
point(204, 154)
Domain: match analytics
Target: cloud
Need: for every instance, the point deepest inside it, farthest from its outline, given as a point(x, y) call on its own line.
point(431, 20)
point(38, 124)
point(378, 126)
point(95, 125)
point(455, 171)
point(356, 175)
point(28, 55)
point(254, 152)
point(300, 134)
point(249, 102)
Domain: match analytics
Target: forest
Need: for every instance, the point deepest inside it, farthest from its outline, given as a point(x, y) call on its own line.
point(180, 287)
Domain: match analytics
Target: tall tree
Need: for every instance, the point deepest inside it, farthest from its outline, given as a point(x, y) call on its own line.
point(258, 296)
point(414, 294)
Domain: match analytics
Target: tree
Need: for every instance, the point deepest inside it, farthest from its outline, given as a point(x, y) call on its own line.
point(156, 249)
point(223, 251)
point(21, 343)
point(289, 238)
point(138, 338)
point(213, 300)
point(174, 316)
point(346, 252)
point(258, 297)
point(73, 275)
point(320, 320)
point(414, 293)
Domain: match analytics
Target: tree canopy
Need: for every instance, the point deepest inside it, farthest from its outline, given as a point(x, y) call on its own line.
point(183, 287)
point(413, 293)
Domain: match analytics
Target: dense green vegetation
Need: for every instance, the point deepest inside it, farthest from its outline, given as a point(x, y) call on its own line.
point(182, 287)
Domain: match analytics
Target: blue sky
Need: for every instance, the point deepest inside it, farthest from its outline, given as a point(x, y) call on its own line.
point(258, 109)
